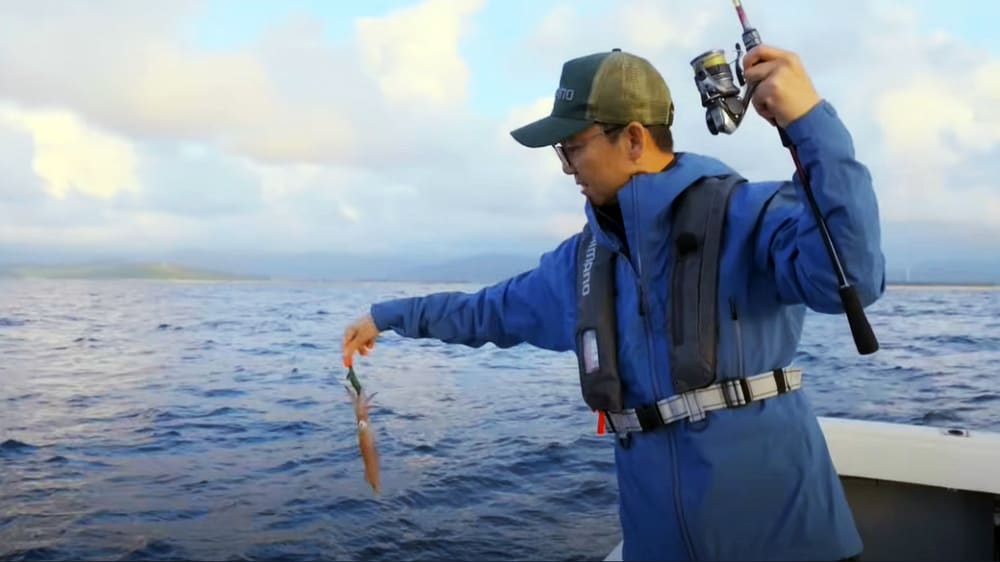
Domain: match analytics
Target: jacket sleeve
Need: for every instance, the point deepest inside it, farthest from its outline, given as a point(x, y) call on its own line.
point(535, 307)
point(790, 245)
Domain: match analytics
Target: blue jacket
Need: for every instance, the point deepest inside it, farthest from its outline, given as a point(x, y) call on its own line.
point(751, 483)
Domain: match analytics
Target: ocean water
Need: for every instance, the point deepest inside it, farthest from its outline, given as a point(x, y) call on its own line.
point(192, 420)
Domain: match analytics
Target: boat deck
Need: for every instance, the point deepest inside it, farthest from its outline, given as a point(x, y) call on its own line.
point(917, 492)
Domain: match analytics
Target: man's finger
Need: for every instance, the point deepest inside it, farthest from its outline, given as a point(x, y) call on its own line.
point(762, 53)
point(761, 71)
point(763, 109)
point(349, 345)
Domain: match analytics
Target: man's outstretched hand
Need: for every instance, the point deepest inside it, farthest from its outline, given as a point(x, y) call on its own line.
point(359, 337)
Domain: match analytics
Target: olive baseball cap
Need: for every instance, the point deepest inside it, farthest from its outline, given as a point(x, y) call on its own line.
point(612, 87)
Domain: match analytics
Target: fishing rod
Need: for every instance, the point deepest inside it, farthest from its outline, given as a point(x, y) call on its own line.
point(725, 110)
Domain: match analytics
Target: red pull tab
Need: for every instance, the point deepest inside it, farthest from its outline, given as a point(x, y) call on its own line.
point(600, 423)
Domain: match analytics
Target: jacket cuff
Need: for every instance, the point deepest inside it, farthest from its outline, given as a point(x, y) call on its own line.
point(384, 315)
point(814, 123)
point(820, 133)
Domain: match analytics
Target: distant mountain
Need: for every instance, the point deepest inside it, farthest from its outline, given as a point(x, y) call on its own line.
point(323, 266)
point(960, 272)
point(312, 267)
point(116, 271)
point(474, 269)
point(926, 252)
point(916, 252)
point(287, 265)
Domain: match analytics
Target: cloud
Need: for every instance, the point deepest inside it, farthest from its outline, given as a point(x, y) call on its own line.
point(70, 156)
point(193, 182)
point(82, 221)
point(293, 97)
point(142, 80)
point(19, 185)
point(413, 52)
point(657, 26)
point(939, 126)
point(116, 81)
point(372, 141)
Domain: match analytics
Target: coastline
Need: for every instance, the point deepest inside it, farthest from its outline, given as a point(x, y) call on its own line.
point(944, 286)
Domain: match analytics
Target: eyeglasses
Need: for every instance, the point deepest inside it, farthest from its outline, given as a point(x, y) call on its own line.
point(566, 152)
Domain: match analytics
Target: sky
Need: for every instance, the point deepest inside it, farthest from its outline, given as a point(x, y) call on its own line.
point(382, 127)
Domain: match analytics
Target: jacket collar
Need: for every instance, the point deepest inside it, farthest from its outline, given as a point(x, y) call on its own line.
point(646, 199)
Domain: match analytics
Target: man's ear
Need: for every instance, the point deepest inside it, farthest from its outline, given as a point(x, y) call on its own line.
point(636, 140)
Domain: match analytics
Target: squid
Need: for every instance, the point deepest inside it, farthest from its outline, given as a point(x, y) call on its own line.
point(366, 435)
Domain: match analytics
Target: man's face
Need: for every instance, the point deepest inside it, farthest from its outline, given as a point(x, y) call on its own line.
point(597, 159)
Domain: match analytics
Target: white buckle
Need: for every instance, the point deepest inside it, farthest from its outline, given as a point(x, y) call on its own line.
point(694, 410)
point(736, 392)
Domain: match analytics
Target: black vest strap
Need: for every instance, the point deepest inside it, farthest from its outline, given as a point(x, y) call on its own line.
point(597, 353)
point(698, 232)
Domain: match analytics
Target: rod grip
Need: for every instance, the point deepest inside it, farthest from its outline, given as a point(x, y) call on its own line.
point(864, 337)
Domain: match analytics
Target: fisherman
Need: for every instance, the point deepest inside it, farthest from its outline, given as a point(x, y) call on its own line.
point(724, 462)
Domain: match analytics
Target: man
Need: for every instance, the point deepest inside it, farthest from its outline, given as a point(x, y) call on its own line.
point(747, 476)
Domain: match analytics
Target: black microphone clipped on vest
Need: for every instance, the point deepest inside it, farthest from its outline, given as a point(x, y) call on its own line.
point(724, 112)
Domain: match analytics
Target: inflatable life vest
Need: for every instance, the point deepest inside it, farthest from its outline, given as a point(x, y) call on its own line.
point(698, 219)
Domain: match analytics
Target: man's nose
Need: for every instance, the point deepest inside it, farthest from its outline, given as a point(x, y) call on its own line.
point(568, 168)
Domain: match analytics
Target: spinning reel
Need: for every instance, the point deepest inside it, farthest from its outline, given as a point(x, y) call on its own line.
point(720, 96)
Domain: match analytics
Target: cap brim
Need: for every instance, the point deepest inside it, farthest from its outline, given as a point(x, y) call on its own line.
point(548, 131)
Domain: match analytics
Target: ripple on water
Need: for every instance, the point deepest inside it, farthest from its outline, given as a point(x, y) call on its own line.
point(122, 449)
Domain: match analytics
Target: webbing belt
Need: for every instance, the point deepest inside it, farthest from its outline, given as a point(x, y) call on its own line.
point(695, 404)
